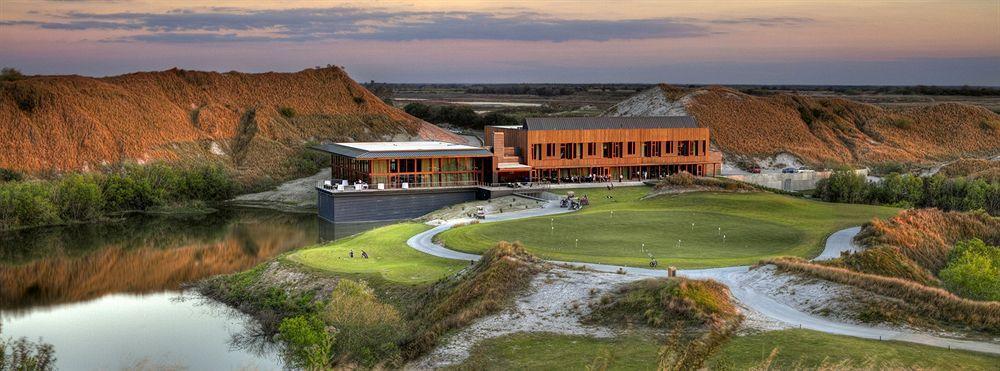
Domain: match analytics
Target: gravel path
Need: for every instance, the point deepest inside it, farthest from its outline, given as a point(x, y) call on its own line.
point(740, 282)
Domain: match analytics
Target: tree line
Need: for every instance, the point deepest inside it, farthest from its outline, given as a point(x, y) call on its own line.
point(79, 197)
point(909, 191)
point(460, 116)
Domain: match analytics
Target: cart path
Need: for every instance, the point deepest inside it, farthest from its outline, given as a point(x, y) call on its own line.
point(730, 276)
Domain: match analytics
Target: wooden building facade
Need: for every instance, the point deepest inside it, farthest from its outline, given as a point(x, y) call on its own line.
point(600, 148)
point(408, 164)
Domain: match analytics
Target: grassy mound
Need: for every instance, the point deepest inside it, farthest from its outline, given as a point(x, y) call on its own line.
point(389, 256)
point(662, 302)
point(678, 303)
point(834, 130)
point(691, 230)
point(250, 120)
point(503, 271)
point(926, 236)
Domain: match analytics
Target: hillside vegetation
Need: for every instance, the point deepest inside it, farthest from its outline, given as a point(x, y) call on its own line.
point(824, 130)
point(253, 121)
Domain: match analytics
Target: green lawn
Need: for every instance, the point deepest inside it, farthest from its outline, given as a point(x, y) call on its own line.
point(811, 348)
point(678, 230)
point(389, 256)
point(804, 348)
point(542, 351)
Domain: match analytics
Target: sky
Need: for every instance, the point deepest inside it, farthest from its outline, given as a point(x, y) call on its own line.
point(954, 42)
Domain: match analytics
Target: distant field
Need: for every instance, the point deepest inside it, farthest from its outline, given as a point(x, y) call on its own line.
point(389, 256)
point(692, 230)
point(803, 349)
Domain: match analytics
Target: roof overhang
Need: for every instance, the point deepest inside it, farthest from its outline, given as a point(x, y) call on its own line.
point(384, 150)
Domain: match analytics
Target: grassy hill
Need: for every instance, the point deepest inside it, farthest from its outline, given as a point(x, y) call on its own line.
point(824, 130)
point(253, 122)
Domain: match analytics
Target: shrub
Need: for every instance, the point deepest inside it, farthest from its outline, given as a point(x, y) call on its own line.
point(25, 355)
point(287, 112)
point(79, 197)
point(7, 175)
point(307, 340)
point(973, 270)
point(368, 330)
point(125, 192)
point(844, 185)
point(26, 204)
point(28, 97)
point(10, 74)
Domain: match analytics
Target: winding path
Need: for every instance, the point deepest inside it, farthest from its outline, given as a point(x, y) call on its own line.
point(730, 276)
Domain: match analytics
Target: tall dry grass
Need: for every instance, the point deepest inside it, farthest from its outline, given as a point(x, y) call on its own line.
point(835, 130)
point(933, 302)
point(76, 122)
point(925, 236)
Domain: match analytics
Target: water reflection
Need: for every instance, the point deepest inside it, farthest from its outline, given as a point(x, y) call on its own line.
point(144, 254)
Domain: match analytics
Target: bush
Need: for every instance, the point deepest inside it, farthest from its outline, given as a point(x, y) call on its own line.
point(973, 270)
point(26, 204)
point(10, 74)
point(844, 185)
point(7, 175)
point(124, 192)
point(25, 355)
point(368, 330)
point(79, 197)
point(307, 340)
point(287, 112)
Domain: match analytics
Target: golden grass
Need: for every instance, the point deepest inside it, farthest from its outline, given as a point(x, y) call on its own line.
point(81, 122)
point(925, 236)
point(932, 301)
point(834, 130)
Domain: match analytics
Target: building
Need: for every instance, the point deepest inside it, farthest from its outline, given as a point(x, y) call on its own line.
point(377, 181)
point(380, 181)
point(408, 164)
point(568, 149)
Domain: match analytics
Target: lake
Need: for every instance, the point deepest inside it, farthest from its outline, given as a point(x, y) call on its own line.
point(111, 295)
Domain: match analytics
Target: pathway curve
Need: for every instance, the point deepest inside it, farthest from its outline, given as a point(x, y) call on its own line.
point(730, 276)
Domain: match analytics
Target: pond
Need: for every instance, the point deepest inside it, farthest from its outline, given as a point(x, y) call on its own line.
point(110, 295)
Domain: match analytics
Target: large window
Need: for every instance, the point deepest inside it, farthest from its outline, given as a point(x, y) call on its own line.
point(652, 149)
point(631, 148)
point(536, 151)
point(550, 150)
point(613, 149)
point(606, 150)
point(591, 149)
point(683, 148)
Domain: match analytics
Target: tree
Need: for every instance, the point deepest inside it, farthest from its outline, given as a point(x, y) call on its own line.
point(973, 270)
point(10, 74)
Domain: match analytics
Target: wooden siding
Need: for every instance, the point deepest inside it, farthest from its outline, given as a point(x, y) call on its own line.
point(600, 136)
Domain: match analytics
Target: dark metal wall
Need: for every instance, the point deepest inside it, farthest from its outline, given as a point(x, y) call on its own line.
point(390, 205)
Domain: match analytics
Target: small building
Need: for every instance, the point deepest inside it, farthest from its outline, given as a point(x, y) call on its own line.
point(408, 164)
point(610, 148)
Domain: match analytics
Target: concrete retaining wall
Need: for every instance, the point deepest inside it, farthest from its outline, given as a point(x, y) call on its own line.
point(371, 206)
point(789, 182)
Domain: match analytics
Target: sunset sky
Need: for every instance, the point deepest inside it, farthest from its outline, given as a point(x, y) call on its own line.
point(731, 42)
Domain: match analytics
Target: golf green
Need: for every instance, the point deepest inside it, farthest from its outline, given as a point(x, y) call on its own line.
point(689, 230)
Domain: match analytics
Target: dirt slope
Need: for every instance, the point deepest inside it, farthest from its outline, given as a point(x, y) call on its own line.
point(819, 130)
point(252, 121)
